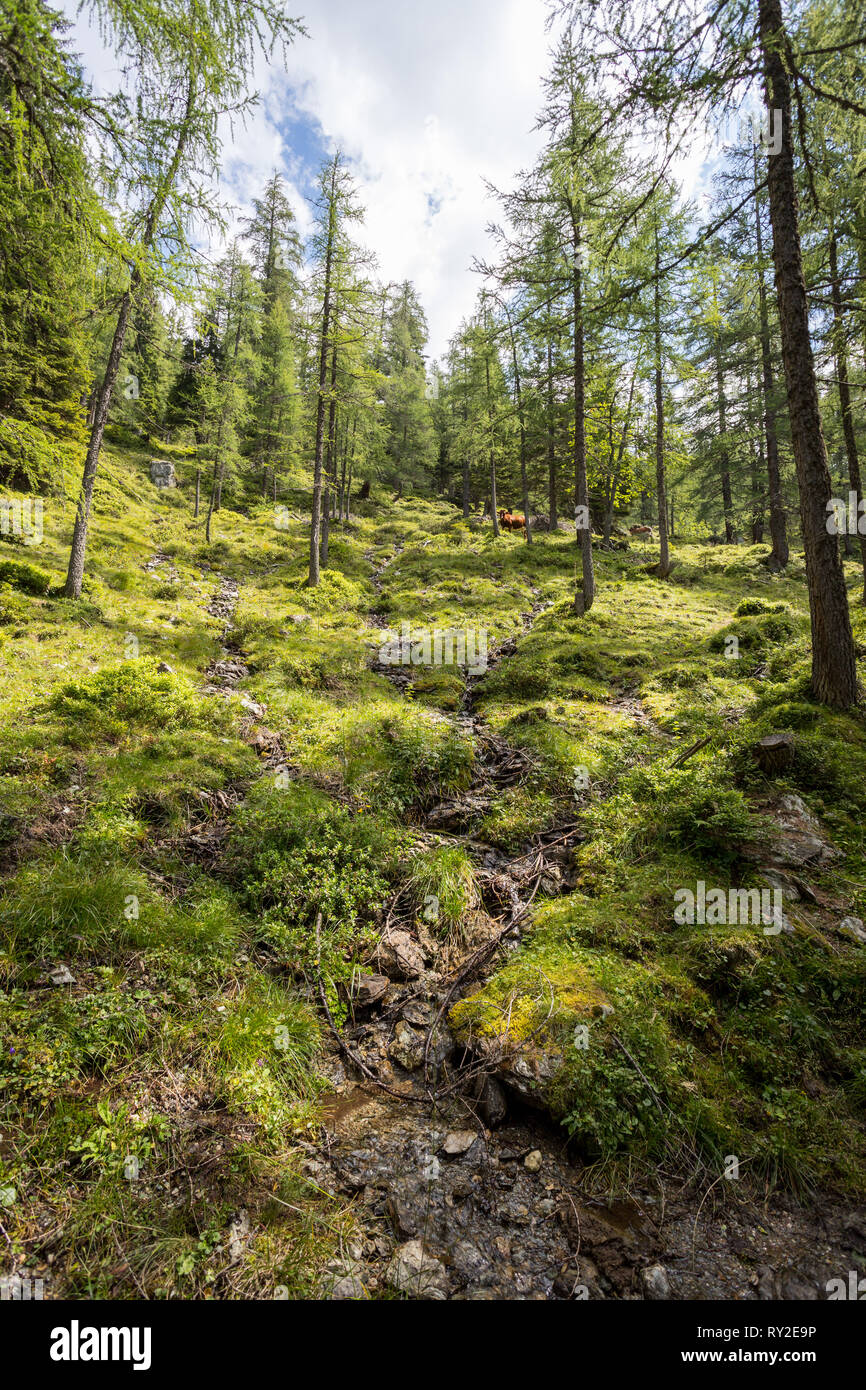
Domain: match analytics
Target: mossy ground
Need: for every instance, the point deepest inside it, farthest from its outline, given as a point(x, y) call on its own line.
point(144, 846)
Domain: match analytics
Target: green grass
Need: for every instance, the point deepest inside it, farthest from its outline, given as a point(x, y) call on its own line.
point(143, 845)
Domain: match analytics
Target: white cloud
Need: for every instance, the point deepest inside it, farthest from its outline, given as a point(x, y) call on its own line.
point(426, 100)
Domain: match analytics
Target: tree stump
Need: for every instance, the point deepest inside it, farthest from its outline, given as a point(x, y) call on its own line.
point(775, 753)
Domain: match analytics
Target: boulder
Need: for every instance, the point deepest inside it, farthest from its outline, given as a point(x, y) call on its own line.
point(853, 927)
point(400, 955)
point(162, 473)
point(369, 989)
point(415, 1273)
point(656, 1284)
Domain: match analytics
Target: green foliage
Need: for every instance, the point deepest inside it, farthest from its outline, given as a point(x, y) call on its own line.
point(28, 578)
point(134, 694)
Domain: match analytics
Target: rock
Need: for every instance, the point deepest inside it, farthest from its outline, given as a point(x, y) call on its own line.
point(369, 989)
point(533, 1161)
point(775, 752)
point(471, 1263)
point(491, 1102)
point(163, 669)
point(800, 840)
point(349, 1286)
point(459, 1141)
point(258, 711)
point(58, 975)
point(656, 1284)
point(415, 1273)
point(239, 1234)
point(162, 473)
point(853, 927)
point(407, 1048)
point(400, 955)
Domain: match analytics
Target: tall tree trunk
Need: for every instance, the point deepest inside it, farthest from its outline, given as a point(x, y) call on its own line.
point(197, 491)
point(725, 473)
point(664, 566)
point(841, 348)
point(102, 403)
point(778, 557)
point(551, 441)
point(617, 472)
point(316, 509)
point(75, 572)
point(524, 485)
point(466, 498)
point(493, 504)
point(584, 596)
point(331, 461)
point(834, 665)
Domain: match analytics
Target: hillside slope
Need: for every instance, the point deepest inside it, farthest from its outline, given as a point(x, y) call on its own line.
point(211, 871)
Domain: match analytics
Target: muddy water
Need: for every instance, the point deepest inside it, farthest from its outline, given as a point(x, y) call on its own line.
point(461, 1190)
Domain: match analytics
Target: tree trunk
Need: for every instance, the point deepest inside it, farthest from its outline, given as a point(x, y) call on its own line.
point(493, 512)
point(522, 422)
point(834, 666)
point(197, 491)
point(331, 461)
point(551, 442)
point(664, 567)
point(845, 392)
point(75, 572)
point(584, 596)
point(778, 558)
point(727, 500)
point(316, 508)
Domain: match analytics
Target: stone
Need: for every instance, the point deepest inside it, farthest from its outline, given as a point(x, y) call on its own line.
point(415, 1273)
point(800, 840)
point(853, 927)
point(58, 975)
point(400, 955)
point(258, 711)
point(459, 1141)
point(369, 989)
point(491, 1102)
point(163, 669)
point(162, 473)
point(348, 1287)
point(407, 1048)
point(533, 1161)
point(656, 1284)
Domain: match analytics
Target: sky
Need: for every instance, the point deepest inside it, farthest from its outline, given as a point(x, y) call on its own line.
point(426, 99)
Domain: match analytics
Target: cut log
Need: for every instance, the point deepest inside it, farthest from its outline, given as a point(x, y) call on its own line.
point(775, 753)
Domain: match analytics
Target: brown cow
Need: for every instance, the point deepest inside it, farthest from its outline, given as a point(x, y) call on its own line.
point(512, 521)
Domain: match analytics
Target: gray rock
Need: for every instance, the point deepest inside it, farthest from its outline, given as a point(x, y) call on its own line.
point(58, 975)
point(853, 927)
point(369, 989)
point(459, 1141)
point(656, 1284)
point(533, 1161)
point(415, 1273)
point(162, 473)
point(350, 1286)
point(163, 669)
point(407, 1048)
point(401, 956)
point(491, 1102)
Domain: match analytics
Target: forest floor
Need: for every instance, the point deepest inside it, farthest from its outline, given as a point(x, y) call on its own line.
point(328, 976)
